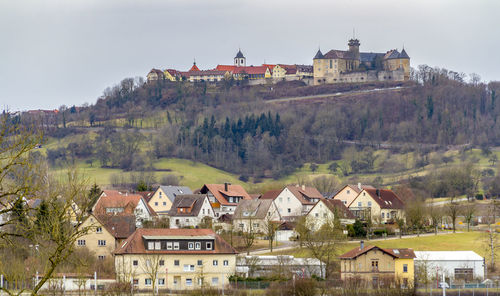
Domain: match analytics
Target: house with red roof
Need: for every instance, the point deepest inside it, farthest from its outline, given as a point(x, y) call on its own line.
point(349, 192)
point(155, 75)
point(224, 197)
point(175, 259)
point(327, 211)
point(294, 200)
point(379, 205)
point(113, 202)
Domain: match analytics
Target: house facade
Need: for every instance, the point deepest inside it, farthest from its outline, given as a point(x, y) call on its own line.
point(327, 210)
point(189, 210)
point(176, 259)
point(224, 197)
point(294, 201)
point(376, 265)
point(162, 199)
point(379, 205)
point(254, 215)
point(349, 192)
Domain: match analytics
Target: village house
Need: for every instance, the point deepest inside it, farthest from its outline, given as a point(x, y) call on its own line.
point(294, 201)
point(162, 199)
point(172, 75)
point(113, 202)
point(155, 75)
point(209, 76)
point(255, 215)
point(349, 192)
point(377, 265)
point(179, 259)
point(224, 197)
point(190, 210)
point(326, 211)
point(379, 205)
point(105, 233)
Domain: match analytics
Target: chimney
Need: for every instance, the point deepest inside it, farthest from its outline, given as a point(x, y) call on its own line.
point(361, 245)
point(378, 192)
point(359, 186)
point(303, 187)
point(226, 186)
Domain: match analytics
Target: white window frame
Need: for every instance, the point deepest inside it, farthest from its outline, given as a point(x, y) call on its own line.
point(215, 262)
point(189, 282)
point(146, 282)
point(190, 245)
point(157, 245)
point(208, 245)
point(101, 243)
point(176, 245)
point(161, 282)
point(197, 245)
point(98, 230)
point(226, 262)
point(81, 242)
point(215, 281)
point(169, 245)
point(151, 245)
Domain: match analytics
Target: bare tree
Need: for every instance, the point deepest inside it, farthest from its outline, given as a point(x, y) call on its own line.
point(435, 214)
point(325, 184)
point(453, 210)
point(150, 265)
point(270, 229)
point(415, 214)
point(469, 210)
point(491, 239)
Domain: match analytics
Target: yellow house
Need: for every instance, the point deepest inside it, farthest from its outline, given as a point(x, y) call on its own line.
point(349, 192)
point(377, 265)
point(175, 259)
point(379, 205)
point(162, 199)
point(106, 233)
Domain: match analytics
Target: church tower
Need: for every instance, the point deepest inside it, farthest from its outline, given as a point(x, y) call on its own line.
point(240, 60)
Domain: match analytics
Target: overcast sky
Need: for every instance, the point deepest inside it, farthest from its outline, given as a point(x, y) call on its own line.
point(66, 52)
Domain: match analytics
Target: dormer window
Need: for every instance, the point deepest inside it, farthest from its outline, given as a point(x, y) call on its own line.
point(169, 245)
point(190, 246)
point(98, 230)
point(209, 245)
point(197, 246)
point(176, 245)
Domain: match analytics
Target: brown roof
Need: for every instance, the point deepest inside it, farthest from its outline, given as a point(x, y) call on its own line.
point(194, 201)
point(135, 243)
point(305, 193)
point(342, 210)
point(396, 253)
point(119, 226)
point(271, 194)
point(146, 194)
point(116, 199)
point(208, 73)
point(357, 189)
point(256, 209)
point(218, 190)
point(339, 54)
point(386, 198)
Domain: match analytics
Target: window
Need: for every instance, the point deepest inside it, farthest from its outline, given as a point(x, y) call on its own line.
point(156, 203)
point(200, 262)
point(147, 282)
point(383, 215)
point(161, 282)
point(369, 203)
point(160, 194)
point(197, 246)
point(331, 64)
point(101, 257)
point(176, 262)
point(189, 282)
point(176, 245)
point(288, 199)
point(169, 245)
point(151, 245)
point(162, 262)
point(209, 246)
point(316, 215)
point(188, 267)
point(135, 282)
point(157, 245)
point(177, 279)
point(289, 210)
point(281, 199)
point(164, 203)
point(226, 262)
point(405, 267)
point(81, 242)
point(324, 215)
point(200, 281)
point(215, 281)
point(359, 204)
point(190, 246)
point(135, 262)
point(215, 262)
point(242, 225)
point(255, 225)
point(101, 243)
point(348, 191)
point(345, 202)
point(98, 230)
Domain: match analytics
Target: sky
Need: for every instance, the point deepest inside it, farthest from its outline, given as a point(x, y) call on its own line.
point(60, 52)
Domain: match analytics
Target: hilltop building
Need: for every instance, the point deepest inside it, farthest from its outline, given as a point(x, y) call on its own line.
point(338, 66)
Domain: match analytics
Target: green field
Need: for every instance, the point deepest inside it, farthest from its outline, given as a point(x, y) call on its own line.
point(467, 241)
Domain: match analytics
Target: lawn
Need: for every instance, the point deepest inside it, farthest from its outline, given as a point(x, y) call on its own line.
point(467, 241)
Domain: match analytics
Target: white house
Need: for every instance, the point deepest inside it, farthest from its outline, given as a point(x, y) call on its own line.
point(224, 197)
point(459, 265)
point(189, 210)
point(329, 210)
point(255, 215)
point(294, 201)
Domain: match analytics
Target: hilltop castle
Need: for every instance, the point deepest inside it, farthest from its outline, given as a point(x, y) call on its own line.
point(338, 66)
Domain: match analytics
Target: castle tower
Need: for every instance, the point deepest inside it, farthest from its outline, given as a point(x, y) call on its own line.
point(240, 60)
point(354, 48)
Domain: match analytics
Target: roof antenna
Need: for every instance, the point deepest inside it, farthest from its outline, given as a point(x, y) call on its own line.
point(194, 61)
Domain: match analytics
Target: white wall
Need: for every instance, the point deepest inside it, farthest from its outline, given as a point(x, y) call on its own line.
point(286, 200)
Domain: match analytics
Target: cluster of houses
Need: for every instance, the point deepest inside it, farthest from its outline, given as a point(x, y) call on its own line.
point(190, 254)
point(238, 71)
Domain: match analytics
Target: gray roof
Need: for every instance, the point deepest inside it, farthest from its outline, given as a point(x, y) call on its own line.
point(318, 55)
point(369, 56)
point(194, 201)
point(256, 209)
point(404, 55)
point(239, 54)
point(173, 191)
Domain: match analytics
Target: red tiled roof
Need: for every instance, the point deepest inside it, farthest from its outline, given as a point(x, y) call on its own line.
point(208, 73)
point(252, 70)
point(218, 190)
point(342, 210)
point(271, 194)
point(229, 68)
point(386, 198)
point(116, 199)
point(135, 243)
point(400, 253)
point(194, 68)
point(173, 72)
point(119, 226)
